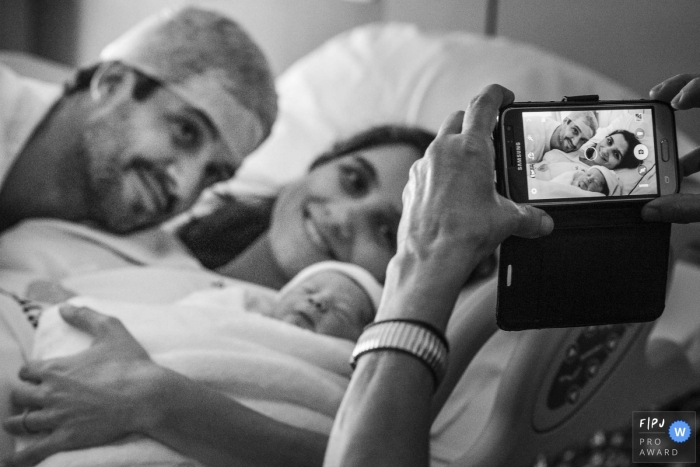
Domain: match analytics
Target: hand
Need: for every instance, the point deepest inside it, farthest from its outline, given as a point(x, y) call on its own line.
point(88, 399)
point(452, 213)
point(683, 92)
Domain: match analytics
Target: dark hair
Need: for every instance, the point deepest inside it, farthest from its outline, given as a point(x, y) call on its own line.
point(144, 86)
point(627, 161)
point(381, 135)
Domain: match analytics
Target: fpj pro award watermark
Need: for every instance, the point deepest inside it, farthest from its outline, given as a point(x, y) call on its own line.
point(663, 437)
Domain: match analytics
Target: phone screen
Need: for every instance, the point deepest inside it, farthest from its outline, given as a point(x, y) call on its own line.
point(582, 153)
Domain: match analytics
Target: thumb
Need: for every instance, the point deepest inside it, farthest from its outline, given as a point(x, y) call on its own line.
point(87, 320)
point(532, 222)
point(690, 162)
point(681, 208)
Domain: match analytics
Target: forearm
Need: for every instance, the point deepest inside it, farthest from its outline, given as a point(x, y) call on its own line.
point(386, 414)
point(206, 425)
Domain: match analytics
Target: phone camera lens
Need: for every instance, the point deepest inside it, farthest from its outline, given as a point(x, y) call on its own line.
point(591, 153)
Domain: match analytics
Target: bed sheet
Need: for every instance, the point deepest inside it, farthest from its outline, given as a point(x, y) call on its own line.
point(290, 374)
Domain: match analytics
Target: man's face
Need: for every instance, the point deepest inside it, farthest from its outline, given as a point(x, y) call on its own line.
point(148, 160)
point(571, 134)
point(592, 180)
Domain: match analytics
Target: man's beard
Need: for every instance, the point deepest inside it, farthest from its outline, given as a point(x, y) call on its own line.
point(103, 196)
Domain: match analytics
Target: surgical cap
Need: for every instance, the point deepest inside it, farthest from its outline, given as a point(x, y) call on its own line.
point(195, 54)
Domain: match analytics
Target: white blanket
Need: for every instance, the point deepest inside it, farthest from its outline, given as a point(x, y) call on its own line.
point(287, 373)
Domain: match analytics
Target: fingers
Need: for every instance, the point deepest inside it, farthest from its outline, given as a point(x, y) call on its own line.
point(678, 208)
point(90, 321)
point(681, 91)
point(33, 422)
point(26, 395)
point(40, 450)
point(481, 114)
point(690, 163)
point(31, 372)
point(533, 222)
point(452, 125)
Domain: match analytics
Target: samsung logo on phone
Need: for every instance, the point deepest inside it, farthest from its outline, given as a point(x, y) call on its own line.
point(519, 155)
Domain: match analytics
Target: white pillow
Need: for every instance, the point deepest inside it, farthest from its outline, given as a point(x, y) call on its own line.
point(395, 73)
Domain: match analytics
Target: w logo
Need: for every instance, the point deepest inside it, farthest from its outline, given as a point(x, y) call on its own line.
point(679, 431)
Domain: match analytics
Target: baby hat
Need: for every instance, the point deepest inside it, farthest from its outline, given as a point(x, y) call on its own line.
point(610, 178)
point(203, 57)
point(358, 274)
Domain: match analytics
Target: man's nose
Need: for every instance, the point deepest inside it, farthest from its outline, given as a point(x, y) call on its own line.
point(186, 174)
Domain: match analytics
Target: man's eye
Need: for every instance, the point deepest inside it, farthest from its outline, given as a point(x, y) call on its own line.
point(575, 131)
point(353, 181)
point(186, 134)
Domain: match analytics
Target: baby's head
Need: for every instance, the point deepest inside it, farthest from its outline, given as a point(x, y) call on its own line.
point(332, 298)
point(598, 179)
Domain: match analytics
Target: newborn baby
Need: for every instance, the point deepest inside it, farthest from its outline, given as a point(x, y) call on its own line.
point(596, 179)
point(332, 298)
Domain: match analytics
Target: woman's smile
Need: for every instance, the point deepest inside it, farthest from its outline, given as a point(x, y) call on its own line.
point(315, 234)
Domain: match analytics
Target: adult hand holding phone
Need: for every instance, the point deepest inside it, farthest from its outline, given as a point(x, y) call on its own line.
point(682, 92)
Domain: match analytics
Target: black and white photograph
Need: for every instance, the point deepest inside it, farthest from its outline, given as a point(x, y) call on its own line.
point(276, 233)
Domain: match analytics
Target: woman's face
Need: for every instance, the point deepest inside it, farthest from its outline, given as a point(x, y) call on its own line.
point(346, 210)
point(611, 150)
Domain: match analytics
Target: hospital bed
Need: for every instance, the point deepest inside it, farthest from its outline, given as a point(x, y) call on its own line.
point(527, 394)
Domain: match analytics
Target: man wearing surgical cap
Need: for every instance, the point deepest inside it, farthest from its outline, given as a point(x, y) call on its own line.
point(173, 105)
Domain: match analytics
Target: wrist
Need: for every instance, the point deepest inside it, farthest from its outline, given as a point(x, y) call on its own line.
point(151, 397)
point(425, 286)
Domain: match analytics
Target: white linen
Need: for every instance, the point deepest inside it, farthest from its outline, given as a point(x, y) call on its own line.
point(24, 102)
point(290, 374)
point(52, 249)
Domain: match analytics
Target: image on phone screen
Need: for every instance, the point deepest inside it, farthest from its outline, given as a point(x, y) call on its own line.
point(591, 153)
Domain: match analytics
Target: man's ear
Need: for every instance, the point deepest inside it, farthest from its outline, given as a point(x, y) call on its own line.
point(112, 79)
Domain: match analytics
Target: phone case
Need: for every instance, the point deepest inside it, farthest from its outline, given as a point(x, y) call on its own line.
point(601, 265)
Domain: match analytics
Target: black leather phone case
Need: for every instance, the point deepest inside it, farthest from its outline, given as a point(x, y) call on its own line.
point(602, 264)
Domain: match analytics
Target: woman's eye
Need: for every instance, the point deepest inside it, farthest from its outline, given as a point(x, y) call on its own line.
point(609, 140)
point(353, 181)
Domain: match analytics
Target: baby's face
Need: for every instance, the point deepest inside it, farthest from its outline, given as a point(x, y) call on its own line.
point(592, 180)
point(327, 303)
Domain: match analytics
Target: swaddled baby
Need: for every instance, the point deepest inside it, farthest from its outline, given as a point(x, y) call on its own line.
point(597, 179)
point(332, 298)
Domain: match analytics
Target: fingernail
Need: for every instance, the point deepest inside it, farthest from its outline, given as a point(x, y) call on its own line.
point(657, 88)
point(677, 99)
point(547, 225)
point(651, 213)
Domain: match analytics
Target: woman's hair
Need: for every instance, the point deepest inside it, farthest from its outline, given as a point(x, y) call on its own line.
point(627, 161)
point(382, 135)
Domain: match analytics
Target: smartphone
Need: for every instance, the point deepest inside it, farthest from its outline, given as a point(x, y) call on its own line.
point(574, 153)
point(591, 166)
